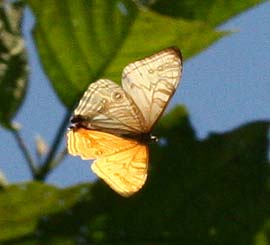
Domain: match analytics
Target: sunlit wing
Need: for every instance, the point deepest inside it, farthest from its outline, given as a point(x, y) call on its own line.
point(152, 81)
point(106, 106)
point(91, 144)
point(124, 171)
point(120, 162)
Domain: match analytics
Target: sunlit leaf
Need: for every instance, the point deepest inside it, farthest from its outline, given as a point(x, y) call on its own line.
point(161, 31)
point(77, 39)
point(81, 41)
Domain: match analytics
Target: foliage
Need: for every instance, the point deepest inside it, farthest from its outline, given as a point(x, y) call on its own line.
point(104, 36)
point(13, 63)
point(214, 191)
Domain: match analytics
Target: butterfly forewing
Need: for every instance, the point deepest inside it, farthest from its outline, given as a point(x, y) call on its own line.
point(121, 163)
point(152, 81)
point(106, 106)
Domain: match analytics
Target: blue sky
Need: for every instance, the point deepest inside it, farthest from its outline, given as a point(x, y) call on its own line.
point(223, 87)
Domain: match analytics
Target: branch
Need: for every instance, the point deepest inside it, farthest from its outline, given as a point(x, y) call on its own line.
point(50, 162)
point(58, 159)
point(26, 153)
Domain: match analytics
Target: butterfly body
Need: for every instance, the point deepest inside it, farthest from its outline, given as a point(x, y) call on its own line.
point(85, 122)
point(113, 124)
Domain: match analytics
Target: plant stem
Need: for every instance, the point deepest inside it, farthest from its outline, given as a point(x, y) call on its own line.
point(59, 158)
point(26, 153)
point(49, 162)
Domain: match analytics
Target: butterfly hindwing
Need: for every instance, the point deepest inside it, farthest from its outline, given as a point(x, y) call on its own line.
point(121, 163)
point(152, 81)
point(124, 171)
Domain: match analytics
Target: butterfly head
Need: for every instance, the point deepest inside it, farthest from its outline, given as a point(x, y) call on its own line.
point(78, 121)
point(153, 138)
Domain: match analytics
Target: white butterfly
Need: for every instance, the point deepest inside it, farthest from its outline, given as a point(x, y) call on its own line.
point(112, 124)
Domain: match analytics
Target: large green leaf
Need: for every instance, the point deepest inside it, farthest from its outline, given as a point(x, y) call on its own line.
point(214, 191)
point(161, 31)
point(213, 12)
point(77, 39)
point(22, 206)
point(81, 41)
point(13, 63)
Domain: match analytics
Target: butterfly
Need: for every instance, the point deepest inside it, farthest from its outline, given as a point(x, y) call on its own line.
point(112, 125)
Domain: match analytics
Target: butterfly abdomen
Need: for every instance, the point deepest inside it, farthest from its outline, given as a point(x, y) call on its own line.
point(144, 138)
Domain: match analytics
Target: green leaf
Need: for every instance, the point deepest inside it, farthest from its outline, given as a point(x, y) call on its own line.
point(214, 191)
point(77, 39)
point(161, 31)
point(13, 62)
point(82, 41)
point(22, 206)
point(262, 238)
point(212, 12)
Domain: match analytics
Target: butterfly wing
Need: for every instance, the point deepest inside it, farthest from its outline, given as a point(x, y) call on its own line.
point(106, 106)
point(124, 171)
point(152, 81)
point(90, 144)
point(120, 162)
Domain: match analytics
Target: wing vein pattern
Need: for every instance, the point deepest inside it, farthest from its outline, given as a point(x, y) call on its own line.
point(152, 81)
point(121, 163)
